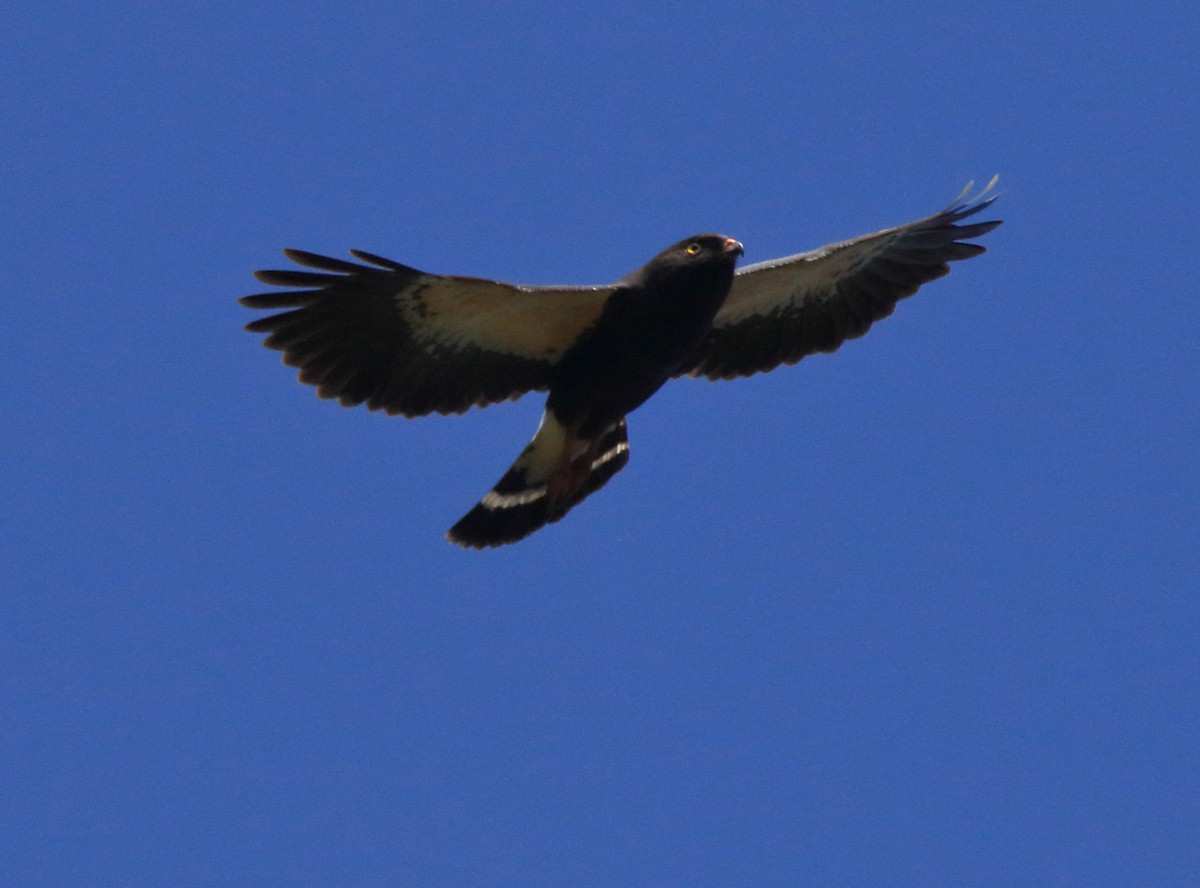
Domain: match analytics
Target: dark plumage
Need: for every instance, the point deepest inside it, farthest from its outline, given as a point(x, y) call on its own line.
point(408, 342)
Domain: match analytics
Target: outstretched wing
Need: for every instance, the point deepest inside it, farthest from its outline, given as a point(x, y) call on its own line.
point(404, 341)
point(779, 311)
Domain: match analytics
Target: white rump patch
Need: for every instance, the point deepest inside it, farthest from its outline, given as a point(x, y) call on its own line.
point(542, 455)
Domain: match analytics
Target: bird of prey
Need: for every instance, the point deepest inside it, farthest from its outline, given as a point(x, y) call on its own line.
point(405, 341)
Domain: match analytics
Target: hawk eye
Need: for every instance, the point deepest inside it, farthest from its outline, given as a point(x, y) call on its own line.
point(692, 249)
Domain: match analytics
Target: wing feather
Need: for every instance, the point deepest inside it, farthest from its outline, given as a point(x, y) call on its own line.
point(404, 341)
point(782, 310)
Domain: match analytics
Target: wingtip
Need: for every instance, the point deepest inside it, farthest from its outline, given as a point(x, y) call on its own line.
point(382, 262)
point(966, 199)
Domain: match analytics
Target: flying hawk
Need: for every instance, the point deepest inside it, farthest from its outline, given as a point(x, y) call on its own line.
point(405, 341)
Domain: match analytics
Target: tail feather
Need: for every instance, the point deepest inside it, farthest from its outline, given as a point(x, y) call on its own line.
point(519, 503)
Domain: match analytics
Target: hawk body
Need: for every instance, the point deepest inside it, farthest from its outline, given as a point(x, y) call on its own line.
point(651, 323)
point(409, 342)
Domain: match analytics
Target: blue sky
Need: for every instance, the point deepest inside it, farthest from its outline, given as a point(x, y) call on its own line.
point(922, 612)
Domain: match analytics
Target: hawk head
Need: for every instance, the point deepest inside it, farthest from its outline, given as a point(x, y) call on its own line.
point(702, 257)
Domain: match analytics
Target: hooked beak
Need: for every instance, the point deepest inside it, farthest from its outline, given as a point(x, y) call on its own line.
point(733, 246)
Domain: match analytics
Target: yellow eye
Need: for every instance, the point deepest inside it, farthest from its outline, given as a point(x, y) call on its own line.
point(692, 249)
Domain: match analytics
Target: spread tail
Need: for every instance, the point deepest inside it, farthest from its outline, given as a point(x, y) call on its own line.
point(554, 473)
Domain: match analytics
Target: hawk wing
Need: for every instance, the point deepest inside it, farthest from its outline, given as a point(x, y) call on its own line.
point(403, 341)
point(781, 310)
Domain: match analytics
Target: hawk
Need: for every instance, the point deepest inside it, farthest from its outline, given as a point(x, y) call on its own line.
point(409, 342)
